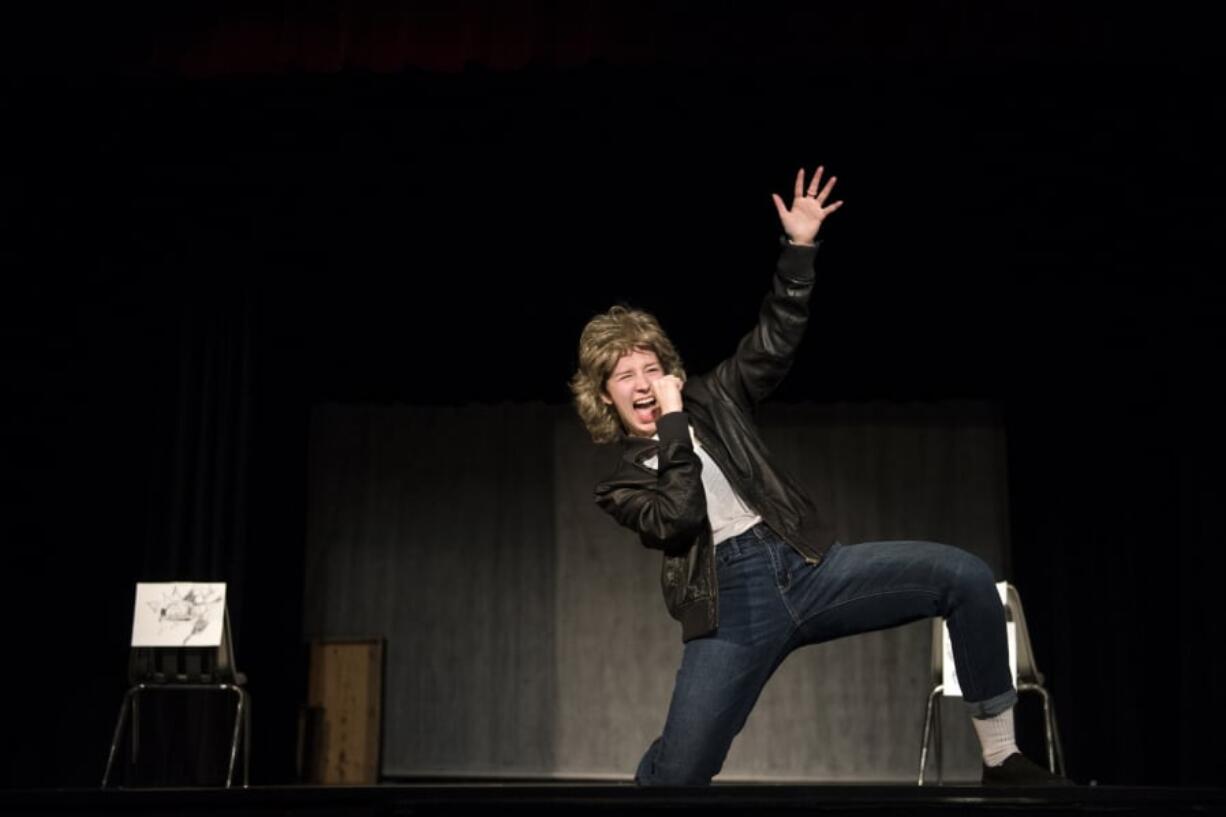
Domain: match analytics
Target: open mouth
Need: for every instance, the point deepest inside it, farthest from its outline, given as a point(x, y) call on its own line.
point(645, 409)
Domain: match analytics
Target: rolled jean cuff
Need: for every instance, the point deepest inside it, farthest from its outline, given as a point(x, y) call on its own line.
point(992, 706)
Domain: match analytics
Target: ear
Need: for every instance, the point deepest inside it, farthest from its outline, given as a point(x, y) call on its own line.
point(605, 398)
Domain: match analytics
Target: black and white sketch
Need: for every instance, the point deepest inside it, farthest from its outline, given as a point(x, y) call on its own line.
point(178, 614)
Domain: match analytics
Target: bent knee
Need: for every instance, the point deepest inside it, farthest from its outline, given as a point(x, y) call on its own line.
point(968, 573)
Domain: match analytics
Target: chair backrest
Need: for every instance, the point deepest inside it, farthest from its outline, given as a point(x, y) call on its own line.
point(186, 665)
point(1027, 669)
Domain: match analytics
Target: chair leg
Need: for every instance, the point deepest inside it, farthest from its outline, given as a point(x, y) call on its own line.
point(124, 706)
point(1054, 730)
point(1051, 732)
point(135, 734)
point(1047, 728)
point(239, 716)
point(928, 730)
point(938, 730)
point(247, 743)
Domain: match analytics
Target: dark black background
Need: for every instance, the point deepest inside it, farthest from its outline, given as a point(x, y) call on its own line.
point(1033, 218)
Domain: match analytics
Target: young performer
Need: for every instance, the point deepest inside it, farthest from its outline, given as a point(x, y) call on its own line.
point(751, 570)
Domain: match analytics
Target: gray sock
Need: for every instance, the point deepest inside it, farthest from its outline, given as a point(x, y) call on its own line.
point(996, 737)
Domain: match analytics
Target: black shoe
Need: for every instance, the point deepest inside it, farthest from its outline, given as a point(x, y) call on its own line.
point(1018, 770)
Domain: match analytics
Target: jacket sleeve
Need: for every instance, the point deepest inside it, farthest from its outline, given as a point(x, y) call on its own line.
point(764, 356)
point(676, 505)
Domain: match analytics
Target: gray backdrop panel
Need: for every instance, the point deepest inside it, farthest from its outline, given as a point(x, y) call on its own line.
point(527, 635)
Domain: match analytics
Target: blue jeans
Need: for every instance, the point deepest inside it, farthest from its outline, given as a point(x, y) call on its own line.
point(771, 601)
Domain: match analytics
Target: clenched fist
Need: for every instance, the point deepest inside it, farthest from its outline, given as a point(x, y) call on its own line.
point(667, 391)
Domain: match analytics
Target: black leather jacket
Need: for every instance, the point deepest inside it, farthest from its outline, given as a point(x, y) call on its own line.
point(667, 507)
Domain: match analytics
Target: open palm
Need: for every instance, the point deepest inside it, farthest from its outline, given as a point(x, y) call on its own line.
point(809, 208)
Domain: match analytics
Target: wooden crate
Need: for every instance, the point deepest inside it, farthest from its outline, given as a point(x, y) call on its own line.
point(345, 687)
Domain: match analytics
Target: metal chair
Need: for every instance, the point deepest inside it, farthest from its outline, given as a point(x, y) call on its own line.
point(189, 669)
point(1028, 679)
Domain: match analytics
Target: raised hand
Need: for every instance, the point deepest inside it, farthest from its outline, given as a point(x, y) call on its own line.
point(809, 208)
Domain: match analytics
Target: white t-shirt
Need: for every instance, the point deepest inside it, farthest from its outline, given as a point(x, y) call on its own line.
point(728, 513)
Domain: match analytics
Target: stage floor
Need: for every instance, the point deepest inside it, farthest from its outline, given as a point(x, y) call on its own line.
point(615, 799)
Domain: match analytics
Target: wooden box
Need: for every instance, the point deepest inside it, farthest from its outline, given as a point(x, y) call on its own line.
point(345, 691)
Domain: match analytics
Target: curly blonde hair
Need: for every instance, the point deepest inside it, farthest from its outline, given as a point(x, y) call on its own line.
point(605, 339)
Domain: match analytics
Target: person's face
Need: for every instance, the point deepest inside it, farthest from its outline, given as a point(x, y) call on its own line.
point(628, 389)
